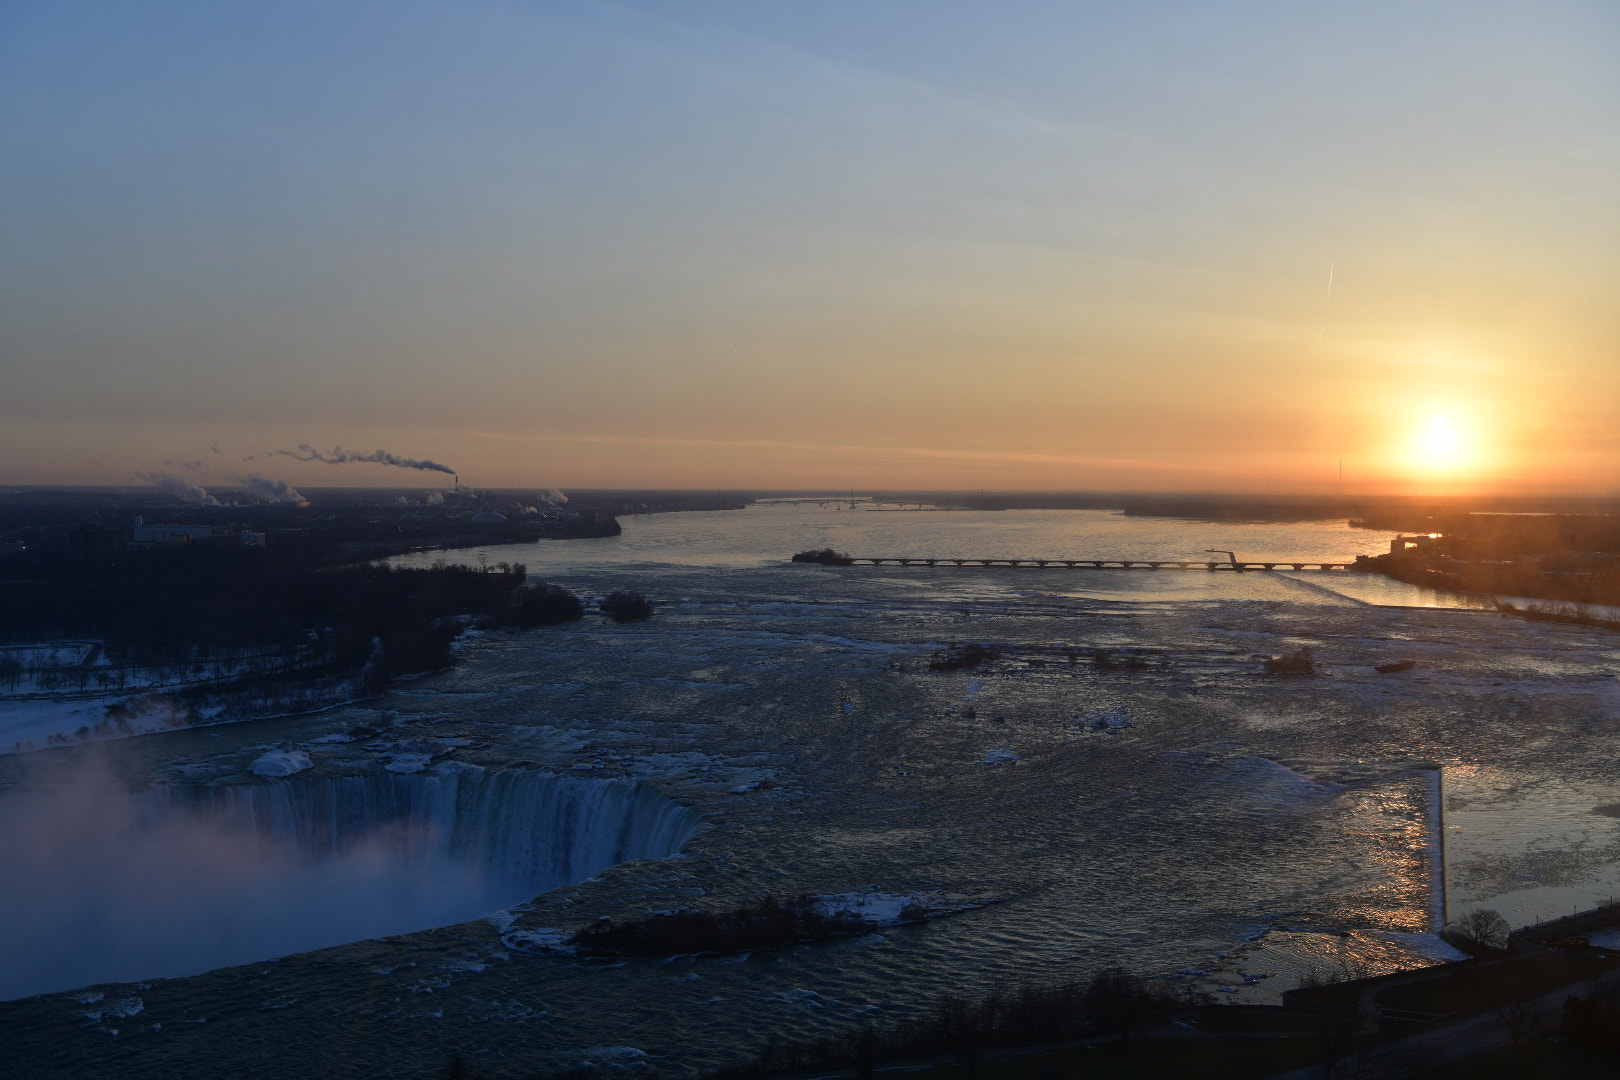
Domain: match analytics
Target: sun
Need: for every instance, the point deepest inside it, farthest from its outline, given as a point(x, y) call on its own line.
point(1439, 442)
point(1442, 446)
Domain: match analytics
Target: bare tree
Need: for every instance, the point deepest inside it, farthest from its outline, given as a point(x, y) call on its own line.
point(1341, 1046)
point(1120, 1000)
point(1484, 927)
point(1522, 1023)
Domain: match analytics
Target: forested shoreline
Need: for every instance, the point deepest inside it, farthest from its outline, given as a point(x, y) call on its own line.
point(225, 621)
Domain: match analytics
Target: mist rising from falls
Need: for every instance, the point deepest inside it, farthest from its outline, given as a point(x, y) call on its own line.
point(186, 879)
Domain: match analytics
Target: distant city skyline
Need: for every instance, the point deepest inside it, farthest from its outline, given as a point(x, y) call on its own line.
point(1258, 247)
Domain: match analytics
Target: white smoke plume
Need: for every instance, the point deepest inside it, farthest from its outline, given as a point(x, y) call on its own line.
point(272, 491)
point(555, 498)
point(181, 488)
point(339, 456)
point(435, 498)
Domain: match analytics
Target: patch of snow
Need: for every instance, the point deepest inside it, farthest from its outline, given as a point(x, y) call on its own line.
point(1430, 946)
point(336, 737)
point(545, 941)
point(119, 1007)
point(406, 764)
point(280, 763)
point(1607, 938)
point(1000, 757)
point(462, 965)
point(1109, 723)
point(879, 909)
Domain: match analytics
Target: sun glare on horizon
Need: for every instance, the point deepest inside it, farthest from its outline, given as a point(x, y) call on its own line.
point(1440, 443)
point(1444, 445)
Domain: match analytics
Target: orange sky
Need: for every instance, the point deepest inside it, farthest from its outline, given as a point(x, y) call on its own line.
point(840, 245)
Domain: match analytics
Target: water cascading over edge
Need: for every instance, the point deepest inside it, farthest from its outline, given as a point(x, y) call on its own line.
point(185, 879)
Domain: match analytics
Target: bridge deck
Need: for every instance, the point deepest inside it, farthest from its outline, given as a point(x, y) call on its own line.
point(1111, 564)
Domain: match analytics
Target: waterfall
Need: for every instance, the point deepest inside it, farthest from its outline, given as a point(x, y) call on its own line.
point(531, 828)
point(185, 879)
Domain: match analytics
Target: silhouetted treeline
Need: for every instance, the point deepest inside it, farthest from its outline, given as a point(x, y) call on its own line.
point(185, 604)
point(540, 605)
point(626, 605)
point(1396, 513)
point(99, 527)
point(1514, 536)
point(1562, 579)
point(766, 925)
point(1593, 1021)
point(824, 557)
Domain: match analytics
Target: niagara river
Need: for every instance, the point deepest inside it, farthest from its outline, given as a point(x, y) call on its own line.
point(1118, 781)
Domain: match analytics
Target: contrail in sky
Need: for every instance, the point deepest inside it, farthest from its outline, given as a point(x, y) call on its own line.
point(339, 456)
point(1330, 281)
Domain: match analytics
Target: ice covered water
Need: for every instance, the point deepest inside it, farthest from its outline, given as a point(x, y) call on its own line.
point(1175, 810)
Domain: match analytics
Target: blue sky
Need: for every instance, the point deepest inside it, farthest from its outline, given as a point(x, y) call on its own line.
point(1012, 244)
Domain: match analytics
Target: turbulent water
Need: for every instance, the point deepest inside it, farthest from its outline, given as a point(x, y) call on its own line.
point(1172, 808)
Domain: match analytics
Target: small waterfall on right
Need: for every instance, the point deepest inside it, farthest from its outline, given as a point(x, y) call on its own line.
point(186, 879)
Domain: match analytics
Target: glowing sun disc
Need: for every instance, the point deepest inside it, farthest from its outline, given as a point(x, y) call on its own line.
point(1440, 443)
